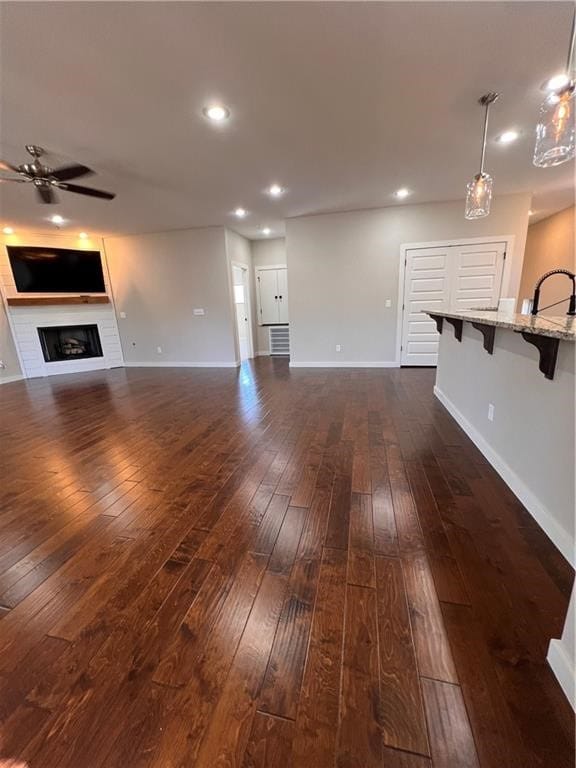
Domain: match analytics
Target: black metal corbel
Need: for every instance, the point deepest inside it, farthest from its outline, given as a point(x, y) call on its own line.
point(439, 322)
point(547, 346)
point(457, 324)
point(488, 332)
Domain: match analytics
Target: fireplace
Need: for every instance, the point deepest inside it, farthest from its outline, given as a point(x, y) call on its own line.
point(70, 342)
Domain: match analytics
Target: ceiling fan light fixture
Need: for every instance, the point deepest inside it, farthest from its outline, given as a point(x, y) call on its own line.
point(57, 219)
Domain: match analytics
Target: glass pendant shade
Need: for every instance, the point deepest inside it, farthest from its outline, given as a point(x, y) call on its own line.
point(478, 196)
point(556, 131)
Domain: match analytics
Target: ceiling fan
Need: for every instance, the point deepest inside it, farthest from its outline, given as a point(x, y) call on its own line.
point(46, 179)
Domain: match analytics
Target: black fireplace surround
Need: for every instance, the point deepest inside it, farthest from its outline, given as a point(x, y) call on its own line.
point(70, 342)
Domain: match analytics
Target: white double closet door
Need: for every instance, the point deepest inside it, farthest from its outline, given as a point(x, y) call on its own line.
point(449, 278)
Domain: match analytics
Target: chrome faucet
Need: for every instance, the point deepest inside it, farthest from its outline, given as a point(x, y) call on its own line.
point(572, 302)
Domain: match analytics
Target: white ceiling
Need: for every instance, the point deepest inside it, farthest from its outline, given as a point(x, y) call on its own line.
point(340, 102)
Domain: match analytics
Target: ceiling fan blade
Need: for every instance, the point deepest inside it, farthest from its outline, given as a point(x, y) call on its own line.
point(71, 172)
point(87, 191)
point(46, 194)
point(4, 166)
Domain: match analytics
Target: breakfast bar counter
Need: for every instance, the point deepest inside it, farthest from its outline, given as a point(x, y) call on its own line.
point(490, 378)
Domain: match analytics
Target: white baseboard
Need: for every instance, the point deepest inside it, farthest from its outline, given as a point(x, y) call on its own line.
point(182, 365)
point(10, 379)
point(559, 536)
point(563, 667)
point(338, 364)
point(263, 353)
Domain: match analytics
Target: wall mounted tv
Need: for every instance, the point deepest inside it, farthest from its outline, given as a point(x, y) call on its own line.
point(56, 270)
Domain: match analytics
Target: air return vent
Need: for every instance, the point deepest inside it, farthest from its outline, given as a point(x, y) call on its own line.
point(280, 340)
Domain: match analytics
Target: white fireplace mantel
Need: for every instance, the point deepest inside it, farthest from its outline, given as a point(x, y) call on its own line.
point(25, 320)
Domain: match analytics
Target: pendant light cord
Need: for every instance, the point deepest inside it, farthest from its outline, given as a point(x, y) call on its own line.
point(486, 101)
point(570, 62)
point(484, 135)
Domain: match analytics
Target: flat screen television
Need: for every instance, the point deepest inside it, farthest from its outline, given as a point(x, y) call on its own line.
point(56, 270)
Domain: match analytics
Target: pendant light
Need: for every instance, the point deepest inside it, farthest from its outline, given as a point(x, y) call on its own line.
point(479, 190)
point(556, 132)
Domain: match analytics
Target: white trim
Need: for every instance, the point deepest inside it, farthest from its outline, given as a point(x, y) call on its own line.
point(508, 239)
point(263, 353)
point(270, 266)
point(558, 535)
point(563, 667)
point(10, 379)
point(182, 365)
point(338, 364)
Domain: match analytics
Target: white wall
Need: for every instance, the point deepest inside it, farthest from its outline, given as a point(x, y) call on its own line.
point(562, 654)
point(8, 355)
point(157, 280)
point(267, 253)
point(343, 266)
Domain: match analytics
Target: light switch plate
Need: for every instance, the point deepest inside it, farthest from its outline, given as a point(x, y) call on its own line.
point(388, 303)
point(198, 311)
point(123, 315)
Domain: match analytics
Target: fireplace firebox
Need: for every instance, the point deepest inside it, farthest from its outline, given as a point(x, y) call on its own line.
point(70, 342)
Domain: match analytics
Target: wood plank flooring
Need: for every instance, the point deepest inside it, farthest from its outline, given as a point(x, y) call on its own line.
point(267, 568)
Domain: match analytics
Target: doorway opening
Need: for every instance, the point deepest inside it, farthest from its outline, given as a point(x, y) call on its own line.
point(241, 289)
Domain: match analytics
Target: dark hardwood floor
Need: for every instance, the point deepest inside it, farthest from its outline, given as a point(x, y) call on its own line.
point(267, 568)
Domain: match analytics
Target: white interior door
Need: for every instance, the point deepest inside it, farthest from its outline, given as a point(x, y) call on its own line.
point(426, 287)
point(268, 296)
point(282, 277)
point(452, 277)
point(242, 308)
point(476, 275)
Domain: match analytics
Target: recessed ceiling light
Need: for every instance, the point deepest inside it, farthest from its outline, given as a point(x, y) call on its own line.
point(507, 137)
point(83, 235)
point(241, 213)
point(402, 193)
point(57, 219)
point(8, 231)
point(266, 231)
point(275, 190)
point(556, 83)
point(216, 112)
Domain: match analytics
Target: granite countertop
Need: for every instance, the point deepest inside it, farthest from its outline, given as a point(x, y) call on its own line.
point(561, 327)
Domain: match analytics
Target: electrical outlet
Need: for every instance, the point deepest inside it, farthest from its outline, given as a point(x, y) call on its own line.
point(490, 412)
point(159, 350)
point(388, 303)
point(338, 348)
